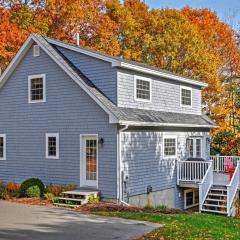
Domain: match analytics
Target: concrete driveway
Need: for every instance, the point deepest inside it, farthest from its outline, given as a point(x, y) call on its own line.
point(25, 222)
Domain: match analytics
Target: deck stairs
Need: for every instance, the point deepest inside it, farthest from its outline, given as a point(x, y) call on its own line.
point(75, 198)
point(216, 200)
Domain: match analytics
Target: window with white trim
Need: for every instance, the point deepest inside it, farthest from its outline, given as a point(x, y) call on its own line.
point(52, 145)
point(186, 96)
point(143, 89)
point(170, 147)
point(194, 146)
point(191, 198)
point(2, 146)
point(37, 88)
point(36, 51)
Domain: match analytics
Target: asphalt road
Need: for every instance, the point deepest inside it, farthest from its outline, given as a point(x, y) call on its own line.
point(25, 222)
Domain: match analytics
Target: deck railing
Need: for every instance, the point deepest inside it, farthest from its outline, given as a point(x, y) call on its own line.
point(191, 171)
point(205, 185)
point(219, 162)
point(232, 188)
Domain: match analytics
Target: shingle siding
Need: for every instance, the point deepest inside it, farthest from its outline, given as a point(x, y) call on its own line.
point(142, 161)
point(165, 94)
point(69, 111)
point(101, 73)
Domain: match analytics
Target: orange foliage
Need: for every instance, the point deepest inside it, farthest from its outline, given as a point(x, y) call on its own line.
point(13, 187)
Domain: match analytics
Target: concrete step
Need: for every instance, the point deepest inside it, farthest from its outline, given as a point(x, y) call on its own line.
point(81, 201)
point(66, 205)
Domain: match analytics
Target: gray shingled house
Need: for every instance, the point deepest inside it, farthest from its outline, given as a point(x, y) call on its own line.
point(133, 132)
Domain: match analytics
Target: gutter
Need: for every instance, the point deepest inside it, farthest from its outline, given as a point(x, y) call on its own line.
point(120, 196)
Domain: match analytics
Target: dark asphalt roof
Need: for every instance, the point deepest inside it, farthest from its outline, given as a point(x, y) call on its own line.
point(127, 114)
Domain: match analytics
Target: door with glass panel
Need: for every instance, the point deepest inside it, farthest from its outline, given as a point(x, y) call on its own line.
point(195, 148)
point(89, 161)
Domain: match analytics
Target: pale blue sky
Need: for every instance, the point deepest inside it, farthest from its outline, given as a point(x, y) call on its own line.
point(224, 8)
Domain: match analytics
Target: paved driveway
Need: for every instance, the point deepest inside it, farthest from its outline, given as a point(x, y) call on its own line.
point(24, 222)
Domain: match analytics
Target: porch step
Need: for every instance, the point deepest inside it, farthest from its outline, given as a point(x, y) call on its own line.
point(214, 211)
point(215, 194)
point(214, 205)
point(216, 200)
point(76, 197)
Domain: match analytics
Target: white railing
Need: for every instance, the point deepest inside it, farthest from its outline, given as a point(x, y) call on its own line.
point(191, 171)
point(219, 162)
point(232, 188)
point(205, 185)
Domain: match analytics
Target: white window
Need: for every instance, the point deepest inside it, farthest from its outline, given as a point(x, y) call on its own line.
point(37, 88)
point(52, 145)
point(2, 146)
point(191, 198)
point(36, 51)
point(143, 89)
point(186, 96)
point(194, 146)
point(170, 147)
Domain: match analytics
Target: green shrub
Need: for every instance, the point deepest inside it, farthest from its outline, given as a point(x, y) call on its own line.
point(93, 199)
point(50, 197)
point(29, 183)
point(3, 193)
point(33, 192)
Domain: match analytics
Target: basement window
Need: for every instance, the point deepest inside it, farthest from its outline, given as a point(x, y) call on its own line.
point(52, 145)
point(191, 198)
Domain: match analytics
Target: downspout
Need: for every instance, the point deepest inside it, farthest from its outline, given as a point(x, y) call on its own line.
point(120, 166)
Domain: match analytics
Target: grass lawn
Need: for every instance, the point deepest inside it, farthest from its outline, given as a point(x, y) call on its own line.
point(186, 226)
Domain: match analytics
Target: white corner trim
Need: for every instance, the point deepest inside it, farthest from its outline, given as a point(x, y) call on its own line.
point(191, 90)
point(169, 136)
point(56, 135)
point(4, 147)
point(30, 77)
point(137, 77)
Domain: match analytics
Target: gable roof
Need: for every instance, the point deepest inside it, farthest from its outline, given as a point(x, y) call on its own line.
point(132, 65)
point(116, 114)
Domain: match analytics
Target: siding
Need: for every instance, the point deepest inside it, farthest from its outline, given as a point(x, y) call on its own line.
point(165, 94)
point(69, 111)
point(101, 73)
point(142, 161)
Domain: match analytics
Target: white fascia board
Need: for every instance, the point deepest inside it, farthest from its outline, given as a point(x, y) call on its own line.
point(150, 124)
point(82, 84)
point(159, 73)
point(18, 57)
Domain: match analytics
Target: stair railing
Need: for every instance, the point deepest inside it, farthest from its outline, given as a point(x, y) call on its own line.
point(232, 188)
point(205, 185)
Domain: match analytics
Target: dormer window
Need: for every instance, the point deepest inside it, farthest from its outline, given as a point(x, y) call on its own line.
point(143, 88)
point(186, 96)
point(36, 51)
point(36, 88)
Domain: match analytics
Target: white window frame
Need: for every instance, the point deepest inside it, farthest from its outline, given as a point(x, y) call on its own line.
point(186, 88)
point(185, 198)
point(36, 50)
point(30, 77)
point(136, 77)
point(195, 147)
point(57, 145)
point(4, 147)
point(163, 147)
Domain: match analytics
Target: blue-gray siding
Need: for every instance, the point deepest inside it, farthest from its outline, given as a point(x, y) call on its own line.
point(69, 111)
point(142, 161)
point(101, 73)
point(165, 94)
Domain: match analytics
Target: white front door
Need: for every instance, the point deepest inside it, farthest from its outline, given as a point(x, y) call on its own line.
point(89, 160)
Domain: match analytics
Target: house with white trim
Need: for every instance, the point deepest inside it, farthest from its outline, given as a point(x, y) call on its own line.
point(132, 132)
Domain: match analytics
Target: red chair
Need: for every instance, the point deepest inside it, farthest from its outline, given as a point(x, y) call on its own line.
point(229, 167)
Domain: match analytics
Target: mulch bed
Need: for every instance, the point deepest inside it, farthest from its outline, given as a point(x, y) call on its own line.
point(111, 207)
point(30, 201)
